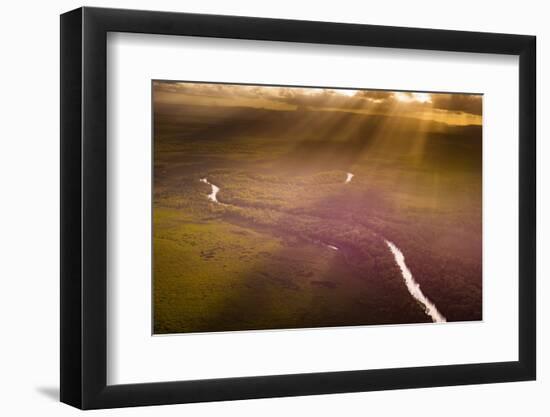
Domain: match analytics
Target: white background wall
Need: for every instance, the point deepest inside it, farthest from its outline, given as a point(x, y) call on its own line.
point(29, 226)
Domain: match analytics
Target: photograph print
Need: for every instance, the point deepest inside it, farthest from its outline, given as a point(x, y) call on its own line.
point(283, 207)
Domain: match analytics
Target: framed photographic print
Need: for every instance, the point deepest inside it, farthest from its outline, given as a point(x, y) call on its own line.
point(258, 207)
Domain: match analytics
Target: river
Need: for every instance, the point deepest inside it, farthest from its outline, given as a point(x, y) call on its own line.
point(214, 193)
point(414, 288)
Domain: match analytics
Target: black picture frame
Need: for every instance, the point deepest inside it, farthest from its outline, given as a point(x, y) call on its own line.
point(84, 207)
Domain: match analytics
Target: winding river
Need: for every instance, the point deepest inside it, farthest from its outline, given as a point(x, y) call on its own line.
point(412, 286)
point(215, 191)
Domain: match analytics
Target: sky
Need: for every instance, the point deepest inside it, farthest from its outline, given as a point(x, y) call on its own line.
point(452, 109)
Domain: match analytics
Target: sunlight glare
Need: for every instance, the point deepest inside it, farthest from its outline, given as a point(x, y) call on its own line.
point(348, 93)
point(410, 97)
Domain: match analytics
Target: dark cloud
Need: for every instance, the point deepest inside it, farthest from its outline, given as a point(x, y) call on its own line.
point(371, 100)
point(467, 103)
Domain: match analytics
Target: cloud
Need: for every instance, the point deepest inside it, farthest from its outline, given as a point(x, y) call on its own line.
point(378, 101)
point(467, 103)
